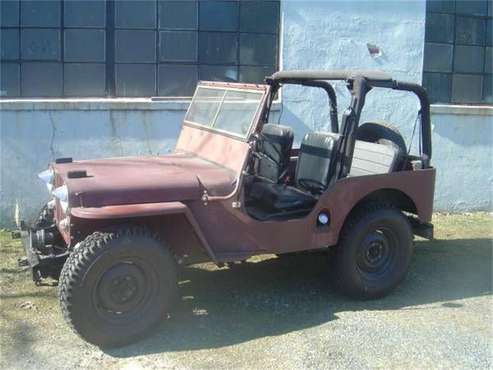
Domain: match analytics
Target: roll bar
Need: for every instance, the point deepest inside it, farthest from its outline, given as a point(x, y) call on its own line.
point(360, 84)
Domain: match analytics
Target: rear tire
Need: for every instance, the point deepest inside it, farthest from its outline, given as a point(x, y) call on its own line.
point(374, 252)
point(115, 286)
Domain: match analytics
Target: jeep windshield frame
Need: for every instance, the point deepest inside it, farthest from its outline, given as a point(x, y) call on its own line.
point(227, 109)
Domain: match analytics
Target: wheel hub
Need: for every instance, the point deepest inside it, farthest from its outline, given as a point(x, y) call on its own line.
point(375, 252)
point(122, 288)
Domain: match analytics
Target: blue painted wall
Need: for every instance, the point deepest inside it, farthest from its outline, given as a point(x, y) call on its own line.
point(315, 34)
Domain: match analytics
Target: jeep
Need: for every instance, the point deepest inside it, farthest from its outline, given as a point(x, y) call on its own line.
point(116, 229)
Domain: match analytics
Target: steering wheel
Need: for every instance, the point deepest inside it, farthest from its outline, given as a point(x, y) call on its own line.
point(312, 185)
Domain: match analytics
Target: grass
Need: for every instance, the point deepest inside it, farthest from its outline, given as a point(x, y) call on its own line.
point(29, 315)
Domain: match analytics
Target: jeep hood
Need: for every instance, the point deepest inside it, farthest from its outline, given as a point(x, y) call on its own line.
point(133, 180)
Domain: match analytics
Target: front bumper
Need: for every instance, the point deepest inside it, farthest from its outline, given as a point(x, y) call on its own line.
point(42, 259)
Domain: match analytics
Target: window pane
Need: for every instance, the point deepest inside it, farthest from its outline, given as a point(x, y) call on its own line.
point(178, 14)
point(218, 48)
point(472, 7)
point(84, 13)
point(204, 106)
point(487, 89)
point(237, 111)
point(438, 57)
point(40, 13)
point(40, 44)
point(84, 79)
point(218, 15)
point(468, 59)
point(259, 16)
point(135, 13)
point(9, 13)
point(135, 46)
point(177, 80)
point(470, 31)
point(9, 44)
point(488, 67)
point(255, 74)
point(440, 27)
point(438, 86)
point(84, 45)
point(41, 79)
point(258, 49)
point(466, 88)
point(10, 79)
point(178, 46)
point(440, 6)
point(135, 79)
point(218, 73)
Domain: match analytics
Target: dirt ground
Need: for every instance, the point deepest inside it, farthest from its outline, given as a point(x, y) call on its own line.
point(282, 313)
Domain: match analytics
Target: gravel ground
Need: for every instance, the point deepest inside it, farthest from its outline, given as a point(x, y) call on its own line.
point(281, 313)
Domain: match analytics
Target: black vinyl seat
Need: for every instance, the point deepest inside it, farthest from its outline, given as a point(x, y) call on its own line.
point(273, 152)
point(313, 175)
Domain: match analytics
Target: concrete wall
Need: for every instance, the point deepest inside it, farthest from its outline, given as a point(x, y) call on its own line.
point(316, 34)
point(463, 156)
point(34, 134)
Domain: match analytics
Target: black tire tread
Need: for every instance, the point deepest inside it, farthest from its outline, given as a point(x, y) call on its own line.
point(390, 133)
point(360, 214)
point(81, 257)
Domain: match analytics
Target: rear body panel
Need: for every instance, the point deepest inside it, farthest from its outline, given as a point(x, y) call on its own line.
point(239, 236)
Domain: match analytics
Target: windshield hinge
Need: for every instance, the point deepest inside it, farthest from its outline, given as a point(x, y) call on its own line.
point(205, 198)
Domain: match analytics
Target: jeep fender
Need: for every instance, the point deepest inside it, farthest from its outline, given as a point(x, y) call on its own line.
point(127, 211)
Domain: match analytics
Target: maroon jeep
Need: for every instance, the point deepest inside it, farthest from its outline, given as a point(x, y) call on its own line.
point(235, 187)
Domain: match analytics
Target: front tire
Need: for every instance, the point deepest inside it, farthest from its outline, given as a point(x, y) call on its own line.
point(115, 286)
point(374, 252)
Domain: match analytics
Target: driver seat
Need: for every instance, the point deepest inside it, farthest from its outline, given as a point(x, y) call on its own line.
point(314, 173)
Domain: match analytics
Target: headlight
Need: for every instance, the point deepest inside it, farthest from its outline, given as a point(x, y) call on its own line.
point(61, 193)
point(47, 177)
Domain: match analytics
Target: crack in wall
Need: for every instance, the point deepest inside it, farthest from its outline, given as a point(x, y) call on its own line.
point(53, 135)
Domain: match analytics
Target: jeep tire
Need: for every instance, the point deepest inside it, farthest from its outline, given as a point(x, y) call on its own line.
point(374, 252)
point(117, 285)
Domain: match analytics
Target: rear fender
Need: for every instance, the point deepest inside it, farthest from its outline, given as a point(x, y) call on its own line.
point(155, 215)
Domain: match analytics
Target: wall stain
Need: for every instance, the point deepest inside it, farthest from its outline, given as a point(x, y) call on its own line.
point(116, 142)
point(145, 124)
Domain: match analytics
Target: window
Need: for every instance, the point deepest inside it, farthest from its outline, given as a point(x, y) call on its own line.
point(458, 51)
point(126, 48)
point(226, 110)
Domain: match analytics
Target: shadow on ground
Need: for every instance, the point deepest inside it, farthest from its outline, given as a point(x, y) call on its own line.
point(280, 295)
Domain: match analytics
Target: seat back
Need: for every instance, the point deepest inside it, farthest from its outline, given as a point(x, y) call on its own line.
point(274, 148)
point(314, 170)
point(373, 159)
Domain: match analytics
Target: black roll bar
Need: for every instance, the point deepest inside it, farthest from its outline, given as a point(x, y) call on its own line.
point(424, 102)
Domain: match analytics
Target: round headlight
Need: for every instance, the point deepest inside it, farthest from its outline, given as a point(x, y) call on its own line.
point(47, 177)
point(61, 193)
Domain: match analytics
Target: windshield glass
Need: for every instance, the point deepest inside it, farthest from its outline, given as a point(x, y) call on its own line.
point(224, 109)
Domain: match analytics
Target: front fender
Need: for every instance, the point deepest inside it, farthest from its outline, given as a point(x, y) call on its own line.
point(127, 211)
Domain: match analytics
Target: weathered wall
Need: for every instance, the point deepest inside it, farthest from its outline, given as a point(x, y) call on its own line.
point(335, 34)
point(463, 155)
point(31, 138)
point(316, 34)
